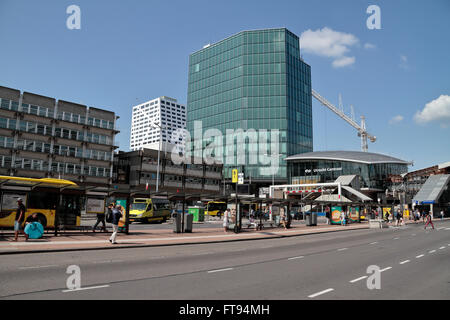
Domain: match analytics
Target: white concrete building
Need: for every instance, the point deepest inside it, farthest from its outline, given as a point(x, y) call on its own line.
point(161, 114)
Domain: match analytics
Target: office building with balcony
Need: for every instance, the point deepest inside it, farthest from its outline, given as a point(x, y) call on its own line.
point(156, 120)
point(252, 80)
point(44, 137)
point(139, 169)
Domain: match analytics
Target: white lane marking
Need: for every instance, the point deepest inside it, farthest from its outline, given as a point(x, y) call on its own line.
point(320, 293)
point(420, 256)
point(447, 228)
point(219, 270)
point(441, 248)
point(357, 279)
point(86, 288)
point(387, 268)
point(440, 228)
point(108, 261)
point(413, 234)
point(342, 249)
point(432, 251)
point(374, 242)
point(406, 261)
point(38, 267)
point(293, 258)
point(396, 238)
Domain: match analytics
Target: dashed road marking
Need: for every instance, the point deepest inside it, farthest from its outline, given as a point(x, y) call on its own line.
point(406, 261)
point(38, 267)
point(342, 249)
point(357, 279)
point(441, 248)
point(220, 270)
point(420, 256)
point(396, 238)
point(432, 251)
point(320, 293)
point(374, 242)
point(293, 258)
point(86, 288)
point(385, 269)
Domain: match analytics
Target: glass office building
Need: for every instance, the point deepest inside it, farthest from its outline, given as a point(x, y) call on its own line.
point(253, 80)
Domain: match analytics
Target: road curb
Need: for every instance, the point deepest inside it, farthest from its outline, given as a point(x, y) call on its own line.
point(172, 244)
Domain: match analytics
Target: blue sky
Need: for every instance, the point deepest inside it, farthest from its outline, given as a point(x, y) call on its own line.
point(127, 52)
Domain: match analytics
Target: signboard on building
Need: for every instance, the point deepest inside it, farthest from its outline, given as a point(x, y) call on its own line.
point(318, 170)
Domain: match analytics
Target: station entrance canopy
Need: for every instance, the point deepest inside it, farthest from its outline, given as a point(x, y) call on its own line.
point(432, 189)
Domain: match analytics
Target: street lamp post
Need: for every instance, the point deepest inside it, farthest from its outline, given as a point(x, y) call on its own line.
point(273, 174)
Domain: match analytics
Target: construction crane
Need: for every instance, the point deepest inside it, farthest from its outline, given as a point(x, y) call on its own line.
point(362, 132)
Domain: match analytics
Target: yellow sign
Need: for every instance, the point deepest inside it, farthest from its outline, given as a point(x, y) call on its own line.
point(235, 176)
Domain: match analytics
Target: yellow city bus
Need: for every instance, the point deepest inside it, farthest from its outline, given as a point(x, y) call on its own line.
point(215, 208)
point(149, 210)
point(40, 196)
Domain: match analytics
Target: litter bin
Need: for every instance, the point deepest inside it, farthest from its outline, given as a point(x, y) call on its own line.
point(177, 222)
point(314, 219)
point(198, 213)
point(188, 222)
point(308, 220)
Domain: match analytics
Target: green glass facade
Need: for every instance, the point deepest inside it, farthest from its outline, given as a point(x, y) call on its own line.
point(253, 80)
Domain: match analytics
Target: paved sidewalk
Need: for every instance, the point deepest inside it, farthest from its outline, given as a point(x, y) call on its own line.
point(99, 240)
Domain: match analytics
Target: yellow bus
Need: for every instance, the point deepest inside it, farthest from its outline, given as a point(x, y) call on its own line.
point(40, 196)
point(215, 208)
point(149, 210)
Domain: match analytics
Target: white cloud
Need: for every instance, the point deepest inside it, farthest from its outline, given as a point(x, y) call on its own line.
point(328, 43)
point(369, 46)
point(396, 119)
point(343, 62)
point(403, 62)
point(437, 110)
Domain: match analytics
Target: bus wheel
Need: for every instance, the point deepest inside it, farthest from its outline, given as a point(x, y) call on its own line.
point(42, 219)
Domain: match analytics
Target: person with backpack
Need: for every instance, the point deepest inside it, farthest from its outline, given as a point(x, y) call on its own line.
point(116, 215)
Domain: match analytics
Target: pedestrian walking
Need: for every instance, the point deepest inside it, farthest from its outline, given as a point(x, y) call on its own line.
point(429, 220)
point(20, 217)
point(343, 218)
point(226, 219)
point(116, 215)
point(101, 218)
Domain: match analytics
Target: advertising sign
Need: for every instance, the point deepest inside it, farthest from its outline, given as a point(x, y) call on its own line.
point(336, 215)
point(95, 205)
point(9, 200)
point(240, 178)
point(354, 214)
point(234, 176)
point(386, 211)
point(123, 204)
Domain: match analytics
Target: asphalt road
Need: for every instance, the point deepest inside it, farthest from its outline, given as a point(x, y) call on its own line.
point(415, 264)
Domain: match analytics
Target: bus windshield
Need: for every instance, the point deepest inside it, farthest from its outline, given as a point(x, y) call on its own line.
point(141, 206)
